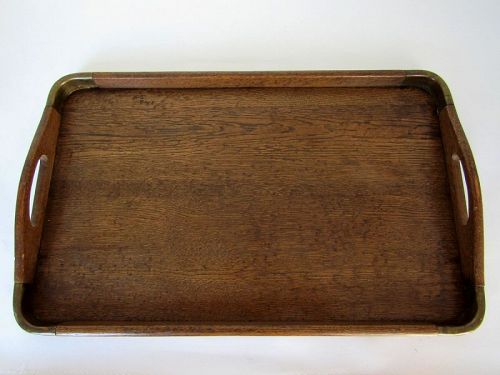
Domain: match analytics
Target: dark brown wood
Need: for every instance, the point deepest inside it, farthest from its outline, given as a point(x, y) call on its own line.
point(28, 230)
point(469, 225)
point(217, 329)
point(248, 79)
point(254, 203)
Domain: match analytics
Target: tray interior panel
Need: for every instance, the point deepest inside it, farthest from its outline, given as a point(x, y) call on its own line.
point(315, 205)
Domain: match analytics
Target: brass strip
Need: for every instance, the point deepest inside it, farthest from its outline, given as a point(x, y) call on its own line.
point(475, 321)
point(24, 323)
point(66, 86)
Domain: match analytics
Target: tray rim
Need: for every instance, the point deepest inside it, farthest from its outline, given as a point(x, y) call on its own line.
point(469, 235)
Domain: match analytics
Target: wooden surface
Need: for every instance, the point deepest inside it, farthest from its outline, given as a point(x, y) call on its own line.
point(29, 225)
point(249, 205)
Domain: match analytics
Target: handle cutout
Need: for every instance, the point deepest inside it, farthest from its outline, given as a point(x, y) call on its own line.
point(462, 189)
point(37, 181)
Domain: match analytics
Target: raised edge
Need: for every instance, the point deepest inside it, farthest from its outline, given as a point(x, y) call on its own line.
point(431, 83)
point(21, 318)
point(476, 318)
point(67, 85)
point(236, 329)
point(27, 234)
point(242, 79)
point(469, 234)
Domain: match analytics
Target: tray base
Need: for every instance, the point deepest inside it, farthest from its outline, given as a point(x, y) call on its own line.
point(261, 205)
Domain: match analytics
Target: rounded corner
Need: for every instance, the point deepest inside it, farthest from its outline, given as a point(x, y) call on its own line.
point(22, 320)
point(67, 85)
point(476, 318)
point(432, 83)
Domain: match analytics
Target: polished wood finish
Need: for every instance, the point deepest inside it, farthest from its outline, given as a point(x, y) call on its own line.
point(469, 225)
point(251, 203)
point(29, 229)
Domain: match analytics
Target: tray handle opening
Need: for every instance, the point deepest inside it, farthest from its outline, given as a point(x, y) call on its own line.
point(40, 176)
point(461, 190)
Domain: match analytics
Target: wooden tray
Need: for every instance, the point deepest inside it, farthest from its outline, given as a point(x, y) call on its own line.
point(249, 203)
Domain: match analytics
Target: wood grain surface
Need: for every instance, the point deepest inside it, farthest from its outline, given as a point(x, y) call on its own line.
point(284, 205)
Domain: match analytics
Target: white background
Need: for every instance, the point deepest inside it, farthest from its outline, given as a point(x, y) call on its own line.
point(43, 40)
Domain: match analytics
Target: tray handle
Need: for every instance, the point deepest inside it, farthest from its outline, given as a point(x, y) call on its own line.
point(28, 228)
point(468, 217)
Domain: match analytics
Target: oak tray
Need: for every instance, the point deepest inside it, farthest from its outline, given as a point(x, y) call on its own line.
point(279, 203)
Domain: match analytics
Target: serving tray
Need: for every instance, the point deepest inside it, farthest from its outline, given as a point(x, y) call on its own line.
point(278, 203)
